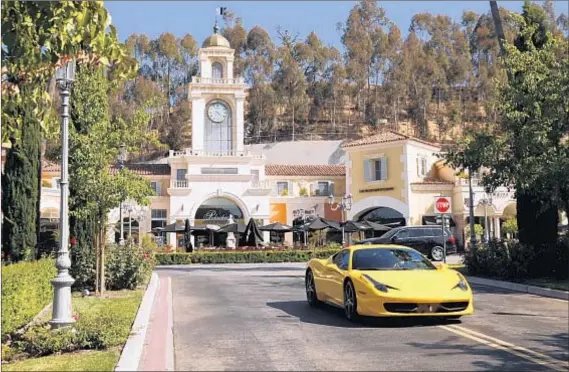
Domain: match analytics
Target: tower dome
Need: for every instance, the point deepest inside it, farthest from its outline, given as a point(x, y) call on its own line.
point(216, 39)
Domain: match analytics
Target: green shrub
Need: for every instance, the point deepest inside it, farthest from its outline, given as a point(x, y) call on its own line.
point(40, 340)
point(127, 266)
point(26, 290)
point(101, 324)
point(260, 256)
point(512, 260)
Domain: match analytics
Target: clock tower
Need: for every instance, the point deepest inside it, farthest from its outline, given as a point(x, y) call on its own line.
point(217, 99)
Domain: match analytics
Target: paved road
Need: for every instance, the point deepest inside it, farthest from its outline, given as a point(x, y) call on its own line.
point(255, 317)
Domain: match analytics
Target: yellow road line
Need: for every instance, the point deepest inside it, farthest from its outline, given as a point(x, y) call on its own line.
point(548, 362)
point(510, 345)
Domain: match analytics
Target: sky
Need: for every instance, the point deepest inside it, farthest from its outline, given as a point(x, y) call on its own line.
point(302, 17)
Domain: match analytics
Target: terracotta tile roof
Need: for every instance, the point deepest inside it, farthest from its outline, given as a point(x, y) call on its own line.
point(384, 137)
point(305, 170)
point(142, 169)
point(432, 181)
point(50, 166)
point(146, 169)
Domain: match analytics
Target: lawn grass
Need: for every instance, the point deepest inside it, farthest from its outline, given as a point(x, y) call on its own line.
point(110, 317)
point(562, 284)
point(92, 360)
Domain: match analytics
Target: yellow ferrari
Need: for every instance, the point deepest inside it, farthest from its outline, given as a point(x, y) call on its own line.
point(387, 281)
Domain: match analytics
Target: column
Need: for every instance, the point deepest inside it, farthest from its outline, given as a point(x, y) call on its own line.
point(497, 228)
point(239, 122)
point(198, 117)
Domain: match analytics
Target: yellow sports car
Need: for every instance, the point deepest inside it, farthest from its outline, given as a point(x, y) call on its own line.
point(387, 280)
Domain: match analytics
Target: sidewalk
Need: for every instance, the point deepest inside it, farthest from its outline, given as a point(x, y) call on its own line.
point(158, 348)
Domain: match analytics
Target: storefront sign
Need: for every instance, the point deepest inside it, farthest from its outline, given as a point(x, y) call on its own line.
point(378, 189)
point(212, 214)
point(307, 213)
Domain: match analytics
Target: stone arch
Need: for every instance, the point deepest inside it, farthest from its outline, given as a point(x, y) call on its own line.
point(373, 202)
point(217, 70)
point(225, 195)
point(509, 210)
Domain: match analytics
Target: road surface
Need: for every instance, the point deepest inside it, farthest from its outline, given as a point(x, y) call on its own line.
point(255, 317)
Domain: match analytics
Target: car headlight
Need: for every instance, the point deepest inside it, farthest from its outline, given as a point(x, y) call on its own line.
point(379, 286)
point(461, 283)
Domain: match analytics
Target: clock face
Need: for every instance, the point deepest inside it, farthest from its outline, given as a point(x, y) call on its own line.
point(217, 112)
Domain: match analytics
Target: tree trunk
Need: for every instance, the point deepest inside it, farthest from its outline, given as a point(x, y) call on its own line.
point(102, 245)
point(97, 259)
point(498, 24)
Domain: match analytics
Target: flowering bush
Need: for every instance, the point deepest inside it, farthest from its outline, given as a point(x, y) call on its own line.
point(127, 266)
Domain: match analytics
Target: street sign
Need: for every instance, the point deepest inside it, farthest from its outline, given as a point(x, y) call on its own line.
point(442, 204)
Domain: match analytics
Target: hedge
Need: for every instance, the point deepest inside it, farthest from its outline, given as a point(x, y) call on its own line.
point(26, 290)
point(242, 257)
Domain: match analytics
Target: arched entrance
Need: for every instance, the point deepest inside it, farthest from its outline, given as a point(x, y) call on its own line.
point(211, 214)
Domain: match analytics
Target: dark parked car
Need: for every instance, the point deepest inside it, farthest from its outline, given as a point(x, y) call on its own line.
point(426, 239)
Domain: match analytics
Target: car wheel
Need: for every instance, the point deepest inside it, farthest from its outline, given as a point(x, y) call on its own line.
point(437, 253)
point(350, 301)
point(311, 289)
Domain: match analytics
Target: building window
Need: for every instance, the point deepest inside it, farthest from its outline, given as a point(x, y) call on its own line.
point(181, 174)
point(159, 218)
point(255, 174)
point(218, 135)
point(217, 70)
point(322, 189)
point(282, 188)
point(156, 187)
point(375, 169)
point(421, 166)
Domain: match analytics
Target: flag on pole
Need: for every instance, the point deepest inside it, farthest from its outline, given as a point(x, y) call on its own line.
point(221, 10)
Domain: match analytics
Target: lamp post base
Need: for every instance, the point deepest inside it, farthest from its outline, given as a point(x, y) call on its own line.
point(62, 315)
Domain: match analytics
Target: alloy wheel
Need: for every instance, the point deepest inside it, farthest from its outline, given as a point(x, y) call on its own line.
point(349, 301)
point(437, 253)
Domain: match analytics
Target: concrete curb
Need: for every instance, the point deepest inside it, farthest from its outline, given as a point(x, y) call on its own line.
point(524, 288)
point(132, 351)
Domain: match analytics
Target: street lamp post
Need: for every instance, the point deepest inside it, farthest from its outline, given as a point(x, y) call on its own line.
point(344, 205)
point(122, 154)
point(62, 312)
point(471, 211)
point(486, 202)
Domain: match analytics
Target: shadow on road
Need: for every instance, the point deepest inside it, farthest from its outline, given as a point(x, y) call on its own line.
point(555, 345)
point(218, 268)
point(485, 358)
point(334, 317)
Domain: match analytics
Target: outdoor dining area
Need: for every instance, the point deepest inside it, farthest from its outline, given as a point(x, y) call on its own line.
point(235, 234)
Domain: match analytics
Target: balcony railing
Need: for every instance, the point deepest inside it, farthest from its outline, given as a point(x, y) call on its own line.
point(216, 154)
point(179, 184)
point(223, 81)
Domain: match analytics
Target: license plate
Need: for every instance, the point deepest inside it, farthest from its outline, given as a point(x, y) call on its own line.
point(426, 308)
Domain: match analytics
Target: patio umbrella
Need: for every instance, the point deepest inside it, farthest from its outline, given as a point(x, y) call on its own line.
point(376, 226)
point(276, 227)
point(353, 226)
point(187, 237)
point(235, 227)
point(320, 223)
point(254, 236)
point(174, 227)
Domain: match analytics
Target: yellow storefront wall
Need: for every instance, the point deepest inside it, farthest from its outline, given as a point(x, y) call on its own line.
point(278, 213)
point(392, 186)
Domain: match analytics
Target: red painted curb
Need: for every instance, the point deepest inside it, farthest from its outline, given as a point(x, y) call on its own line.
point(154, 353)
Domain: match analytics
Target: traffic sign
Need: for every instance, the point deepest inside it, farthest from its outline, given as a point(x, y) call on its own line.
point(442, 204)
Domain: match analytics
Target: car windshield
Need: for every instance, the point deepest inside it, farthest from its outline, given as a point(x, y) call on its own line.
point(390, 259)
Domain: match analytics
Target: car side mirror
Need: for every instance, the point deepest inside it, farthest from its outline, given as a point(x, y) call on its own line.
point(441, 266)
point(394, 239)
